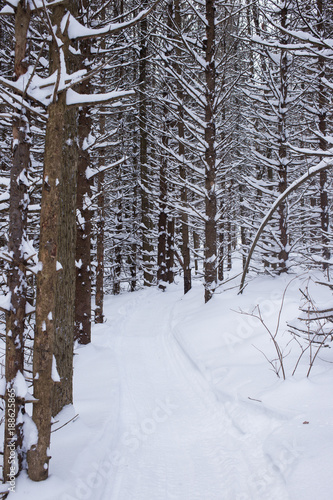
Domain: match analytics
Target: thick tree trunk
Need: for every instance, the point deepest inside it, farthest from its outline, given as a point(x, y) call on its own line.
point(38, 457)
point(65, 289)
point(62, 393)
point(210, 271)
point(57, 229)
point(16, 281)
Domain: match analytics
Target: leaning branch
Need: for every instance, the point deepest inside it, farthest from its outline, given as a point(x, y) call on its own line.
point(323, 165)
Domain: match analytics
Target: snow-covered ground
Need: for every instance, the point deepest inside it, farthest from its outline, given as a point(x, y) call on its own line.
point(176, 400)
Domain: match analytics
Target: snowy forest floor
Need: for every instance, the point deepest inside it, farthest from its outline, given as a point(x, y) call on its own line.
point(176, 401)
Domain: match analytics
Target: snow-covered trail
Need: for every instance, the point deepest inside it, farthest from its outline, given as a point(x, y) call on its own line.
point(174, 439)
point(173, 400)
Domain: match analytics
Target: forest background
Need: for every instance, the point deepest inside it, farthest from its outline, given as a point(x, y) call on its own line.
point(140, 143)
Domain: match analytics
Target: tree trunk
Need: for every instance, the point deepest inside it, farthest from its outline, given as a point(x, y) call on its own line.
point(16, 281)
point(210, 271)
point(83, 210)
point(38, 458)
point(100, 226)
point(185, 247)
point(65, 290)
point(322, 119)
point(162, 229)
point(146, 221)
point(56, 241)
point(163, 219)
point(282, 140)
point(119, 228)
point(83, 239)
point(99, 316)
point(170, 251)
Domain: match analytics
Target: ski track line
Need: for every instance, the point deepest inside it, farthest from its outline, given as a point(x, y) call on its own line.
point(174, 440)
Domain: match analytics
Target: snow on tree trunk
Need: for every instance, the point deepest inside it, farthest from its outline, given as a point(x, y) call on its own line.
point(146, 209)
point(185, 247)
point(210, 270)
point(83, 238)
point(16, 281)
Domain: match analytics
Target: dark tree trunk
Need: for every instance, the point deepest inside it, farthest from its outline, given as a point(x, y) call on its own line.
point(64, 316)
point(38, 457)
point(100, 226)
point(322, 119)
point(118, 247)
point(99, 316)
point(282, 140)
point(146, 220)
point(65, 289)
point(16, 281)
point(83, 210)
point(170, 251)
point(83, 238)
point(56, 242)
point(210, 271)
point(163, 219)
point(185, 247)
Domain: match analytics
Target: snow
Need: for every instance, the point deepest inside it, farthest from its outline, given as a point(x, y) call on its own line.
point(5, 301)
point(7, 10)
point(73, 98)
point(76, 30)
point(55, 374)
point(14, 3)
point(176, 401)
point(20, 386)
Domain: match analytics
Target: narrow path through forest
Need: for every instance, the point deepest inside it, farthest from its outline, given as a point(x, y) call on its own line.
point(174, 439)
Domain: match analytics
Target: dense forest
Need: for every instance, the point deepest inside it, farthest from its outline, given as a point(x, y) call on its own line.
point(143, 142)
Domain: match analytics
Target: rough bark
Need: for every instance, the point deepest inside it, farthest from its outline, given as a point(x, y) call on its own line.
point(55, 243)
point(322, 125)
point(62, 393)
point(170, 258)
point(146, 221)
point(38, 457)
point(163, 219)
point(210, 271)
point(100, 226)
point(99, 315)
point(185, 247)
point(162, 230)
point(83, 238)
point(65, 289)
point(282, 140)
point(16, 280)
